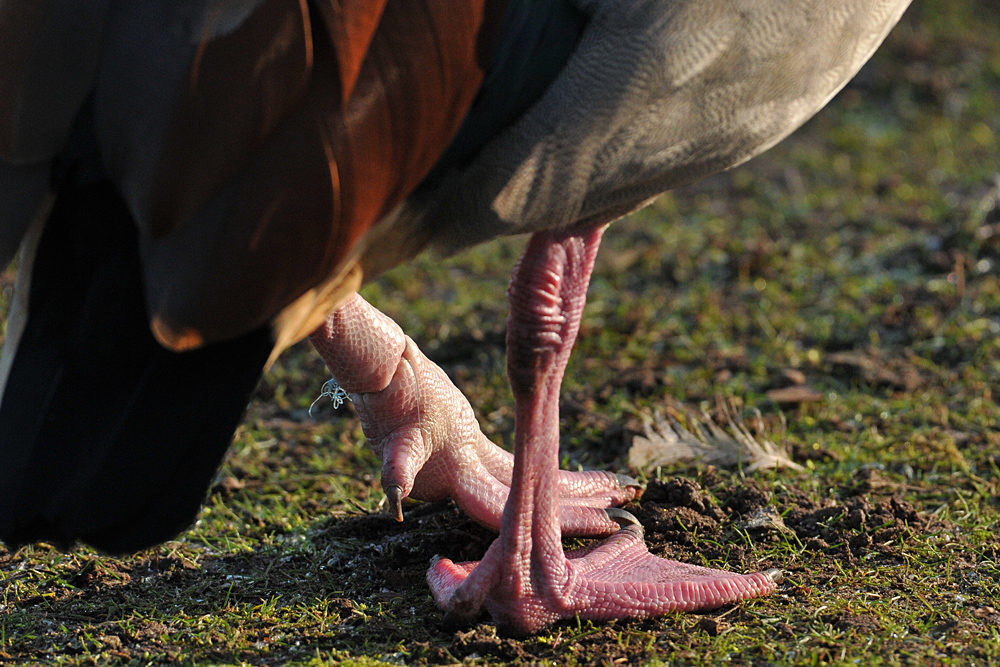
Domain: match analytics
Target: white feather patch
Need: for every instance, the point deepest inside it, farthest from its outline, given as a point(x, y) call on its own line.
point(667, 441)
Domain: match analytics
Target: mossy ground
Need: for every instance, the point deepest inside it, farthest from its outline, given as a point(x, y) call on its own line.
point(860, 258)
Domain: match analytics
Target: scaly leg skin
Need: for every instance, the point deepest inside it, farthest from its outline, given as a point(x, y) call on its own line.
point(525, 580)
point(426, 434)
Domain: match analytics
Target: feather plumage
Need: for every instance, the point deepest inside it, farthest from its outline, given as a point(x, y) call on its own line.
point(229, 161)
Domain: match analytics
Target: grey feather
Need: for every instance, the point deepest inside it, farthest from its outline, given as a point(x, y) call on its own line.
point(658, 94)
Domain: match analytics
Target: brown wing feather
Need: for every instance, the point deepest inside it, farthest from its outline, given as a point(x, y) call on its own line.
point(241, 85)
point(351, 25)
point(331, 170)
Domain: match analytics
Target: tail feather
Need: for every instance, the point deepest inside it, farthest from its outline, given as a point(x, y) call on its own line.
point(105, 436)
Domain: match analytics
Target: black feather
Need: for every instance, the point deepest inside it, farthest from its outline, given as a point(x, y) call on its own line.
point(106, 437)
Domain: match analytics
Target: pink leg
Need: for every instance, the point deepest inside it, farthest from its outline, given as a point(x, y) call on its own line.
point(524, 580)
point(426, 433)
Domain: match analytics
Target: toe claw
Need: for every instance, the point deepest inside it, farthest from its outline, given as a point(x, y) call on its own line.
point(628, 482)
point(394, 496)
point(622, 518)
point(775, 575)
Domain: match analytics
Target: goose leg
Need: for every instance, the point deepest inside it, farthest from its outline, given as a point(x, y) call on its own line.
point(426, 434)
point(525, 580)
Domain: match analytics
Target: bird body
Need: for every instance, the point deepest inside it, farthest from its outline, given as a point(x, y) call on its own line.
point(198, 106)
point(195, 185)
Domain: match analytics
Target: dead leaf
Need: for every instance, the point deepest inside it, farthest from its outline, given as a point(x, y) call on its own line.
point(879, 368)
point(794, 394)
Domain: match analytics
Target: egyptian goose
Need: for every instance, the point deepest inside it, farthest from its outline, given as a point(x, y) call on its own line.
point(195, 185)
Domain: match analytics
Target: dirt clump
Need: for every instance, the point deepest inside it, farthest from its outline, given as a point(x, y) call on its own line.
point(681, 492)
point(482, 641)
point(862, 623)
point(746, 500)
point(856, 522)
point(675, 510)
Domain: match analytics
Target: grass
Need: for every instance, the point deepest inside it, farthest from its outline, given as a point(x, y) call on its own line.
point(863, 254)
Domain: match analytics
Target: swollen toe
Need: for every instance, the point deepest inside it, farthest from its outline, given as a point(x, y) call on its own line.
point(444, 577)
point(597, 488)
point(583, 521)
